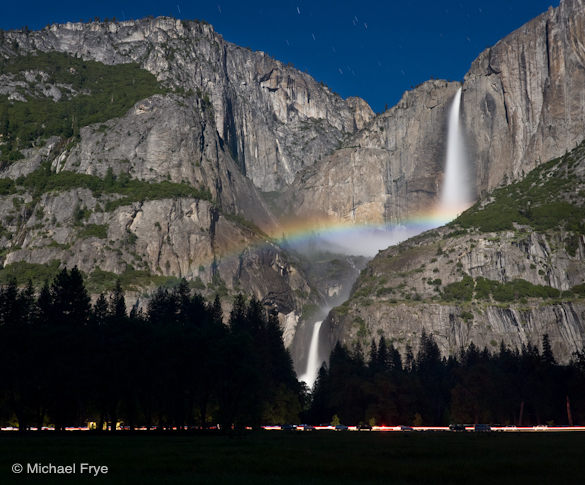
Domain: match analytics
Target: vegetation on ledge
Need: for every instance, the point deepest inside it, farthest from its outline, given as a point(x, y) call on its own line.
point(45, 180)
point(22, 272)
point(97, 281)
point(131, 279)
point(550, 196)
point(483, 289)
point(92, 92)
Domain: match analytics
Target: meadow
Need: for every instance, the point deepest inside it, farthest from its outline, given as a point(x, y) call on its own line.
point(321, 457)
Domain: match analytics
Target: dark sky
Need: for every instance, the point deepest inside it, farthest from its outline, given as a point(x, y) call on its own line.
point(375, 49)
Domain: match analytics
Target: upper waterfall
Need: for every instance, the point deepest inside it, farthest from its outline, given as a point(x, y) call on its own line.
point(456, 193)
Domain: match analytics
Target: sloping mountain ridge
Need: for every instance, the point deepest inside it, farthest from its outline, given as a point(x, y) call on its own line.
point(511, 269)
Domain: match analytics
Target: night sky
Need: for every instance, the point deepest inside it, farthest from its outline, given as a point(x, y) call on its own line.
point(369, 48)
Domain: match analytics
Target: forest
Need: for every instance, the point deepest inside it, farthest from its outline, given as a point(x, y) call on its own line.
point(65, 361)
point(506, 387)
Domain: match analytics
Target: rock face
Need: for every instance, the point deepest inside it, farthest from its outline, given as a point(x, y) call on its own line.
point(182, 237)
point(217, 244)
point(235, 123)
point(515, 325)
point(399, 293)
point(523, 99)
point(272, 118)
point(522, 104)
point(168, 138)
point(385, 172)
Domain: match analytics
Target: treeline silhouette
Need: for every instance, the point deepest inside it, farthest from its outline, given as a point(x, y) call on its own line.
point(66, 362)
point(507, 387)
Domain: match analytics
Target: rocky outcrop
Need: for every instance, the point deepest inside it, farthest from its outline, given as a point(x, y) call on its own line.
point(168, 138)
point(402, 291)
point(515, 325)
point(183, 237)
point(272, 118)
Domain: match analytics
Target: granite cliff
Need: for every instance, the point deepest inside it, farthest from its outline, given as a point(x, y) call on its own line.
point(272, 118)
point(150, 195)
point(224, 121)
point(388, 170)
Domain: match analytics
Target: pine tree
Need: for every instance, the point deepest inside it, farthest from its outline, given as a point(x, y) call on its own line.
point(216, 311)
point(394, 358)
point(9, 305)
point(162, 308)
point(547, 353)
point(70, 300)
point(45, 305)
point(117, 307)
point(373, 364)
point(409, 362)
point(100, 310)
point(358, 354)
point(255, 317)
point(382, 354)
point(238, 318)
point(182, 294)
point(27, 303)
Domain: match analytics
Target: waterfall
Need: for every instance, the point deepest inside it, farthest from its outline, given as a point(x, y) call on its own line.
point(456, 195)
point(313, 363)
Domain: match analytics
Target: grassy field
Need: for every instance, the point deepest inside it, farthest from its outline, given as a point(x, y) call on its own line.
point(307, 458)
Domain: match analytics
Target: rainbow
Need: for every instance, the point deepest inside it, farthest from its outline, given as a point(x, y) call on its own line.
point(299, 229)
point(365, 238)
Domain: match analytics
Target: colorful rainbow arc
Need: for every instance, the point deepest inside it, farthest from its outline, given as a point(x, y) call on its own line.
point(298, 231)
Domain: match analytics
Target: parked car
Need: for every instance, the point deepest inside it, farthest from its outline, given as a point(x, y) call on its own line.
point(457, 427)
point(482, 428)
point(364, 427)
point(406, 428)
point(307, 427)
point(288, 427)
point(341, 427)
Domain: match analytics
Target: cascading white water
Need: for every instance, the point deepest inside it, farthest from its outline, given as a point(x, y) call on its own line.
point(455, 195)
point(313, 363)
